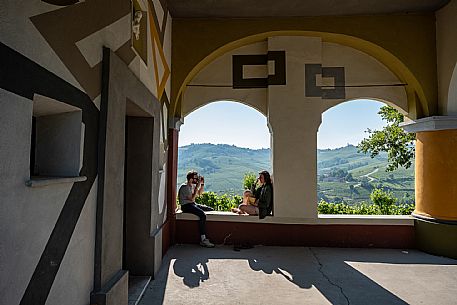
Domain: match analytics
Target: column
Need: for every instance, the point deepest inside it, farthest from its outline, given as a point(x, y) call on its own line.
point(294, 120)
point(172, 174)
point(436, 184)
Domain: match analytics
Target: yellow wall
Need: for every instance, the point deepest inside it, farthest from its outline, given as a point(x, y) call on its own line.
point(404, 43)
point(436, 179)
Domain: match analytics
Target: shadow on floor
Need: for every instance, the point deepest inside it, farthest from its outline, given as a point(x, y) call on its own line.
point(330, 270)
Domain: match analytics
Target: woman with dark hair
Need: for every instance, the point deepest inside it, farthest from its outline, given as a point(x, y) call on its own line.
point(264, 193)
point(262, 190)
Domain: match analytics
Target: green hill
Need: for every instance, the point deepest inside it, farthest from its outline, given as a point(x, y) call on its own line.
point(222, 165)
point(343, 173)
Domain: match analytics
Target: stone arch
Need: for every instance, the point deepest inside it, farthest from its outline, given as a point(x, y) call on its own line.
point(334, 136)
point(418, 104)
point(370, 98)
point(232, 130)
point(220, 99)
point(213, 83)
point(308, 75)
point(232, 100)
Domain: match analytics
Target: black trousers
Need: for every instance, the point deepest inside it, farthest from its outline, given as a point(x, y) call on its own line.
point(197, 209)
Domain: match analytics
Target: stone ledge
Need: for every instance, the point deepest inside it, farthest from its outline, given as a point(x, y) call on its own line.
point(432, 123)
point(391, 220)
point(45, 181)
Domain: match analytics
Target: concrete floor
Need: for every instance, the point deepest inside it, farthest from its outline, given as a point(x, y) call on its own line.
point(285, 275)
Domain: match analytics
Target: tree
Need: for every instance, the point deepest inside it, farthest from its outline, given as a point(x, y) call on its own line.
point(384, 200)
point(398, 144)
point(249, 180)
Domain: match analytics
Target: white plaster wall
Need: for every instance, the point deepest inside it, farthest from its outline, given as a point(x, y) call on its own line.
point(294, 120)
point(214, 83)
point(112, 36)
point(74, 280)
point(144, 71)
point(19, 33)
point(446, 44)
point(196, 97)
point(28, 215)
point(364, 71)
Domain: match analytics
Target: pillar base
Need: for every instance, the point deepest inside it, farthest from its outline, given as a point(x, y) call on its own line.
point(436, 237)
point(115, 292)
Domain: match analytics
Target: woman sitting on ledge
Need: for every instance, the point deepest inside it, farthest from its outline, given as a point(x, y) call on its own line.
point(262, 202)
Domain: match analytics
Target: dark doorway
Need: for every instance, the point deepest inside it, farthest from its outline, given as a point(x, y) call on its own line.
point(138, 249)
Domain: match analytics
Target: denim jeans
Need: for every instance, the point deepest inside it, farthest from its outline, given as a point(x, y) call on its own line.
point(197, 209)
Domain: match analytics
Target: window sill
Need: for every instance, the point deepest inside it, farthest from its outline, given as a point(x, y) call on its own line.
point(388, 220)
point(45, 181)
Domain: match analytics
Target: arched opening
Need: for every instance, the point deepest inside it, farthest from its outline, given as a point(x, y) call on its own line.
point(347, 178)
point(418, 98)
point(223, 141)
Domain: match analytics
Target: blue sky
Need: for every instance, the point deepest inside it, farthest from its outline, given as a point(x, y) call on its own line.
point(236, 124)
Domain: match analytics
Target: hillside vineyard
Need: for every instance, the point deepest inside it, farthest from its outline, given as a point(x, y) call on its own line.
point(344, 174)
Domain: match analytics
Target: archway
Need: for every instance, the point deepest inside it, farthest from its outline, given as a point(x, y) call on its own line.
point(418, 101)
point(223, 141)
point(292, 80)
point(349, 177)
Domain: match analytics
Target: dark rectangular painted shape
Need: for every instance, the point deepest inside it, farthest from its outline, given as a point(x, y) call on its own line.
point(278, 78)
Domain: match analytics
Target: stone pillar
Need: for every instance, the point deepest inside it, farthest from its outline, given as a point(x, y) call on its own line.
point(172, 175)
point(294, 120)
point(436, 184)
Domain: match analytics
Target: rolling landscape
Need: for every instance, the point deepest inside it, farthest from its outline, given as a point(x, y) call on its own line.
point(344, 174)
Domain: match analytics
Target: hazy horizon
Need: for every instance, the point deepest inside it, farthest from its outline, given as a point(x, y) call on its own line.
point(233, 123)
point(180, 146)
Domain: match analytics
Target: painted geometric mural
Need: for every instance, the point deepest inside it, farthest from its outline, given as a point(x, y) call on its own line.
point(84, 27)
point(53, 49)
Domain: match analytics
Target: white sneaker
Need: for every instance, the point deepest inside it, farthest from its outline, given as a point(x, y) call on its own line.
point(206, 243)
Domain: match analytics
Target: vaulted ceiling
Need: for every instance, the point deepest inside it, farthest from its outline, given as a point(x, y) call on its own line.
point(288, 8)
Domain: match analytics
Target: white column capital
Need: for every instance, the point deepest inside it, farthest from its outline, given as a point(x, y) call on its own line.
point(432, 123)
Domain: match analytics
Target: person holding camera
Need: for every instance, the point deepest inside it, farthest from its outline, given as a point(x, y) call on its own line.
point(187, 194)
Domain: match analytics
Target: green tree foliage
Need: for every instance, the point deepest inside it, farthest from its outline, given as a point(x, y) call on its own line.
point(219, 202)
point(363, 208)
point(249, 180)
point(384, 200)
point(391, 139)
point(383, 207)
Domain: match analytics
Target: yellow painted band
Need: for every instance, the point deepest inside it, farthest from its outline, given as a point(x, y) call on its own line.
point(155, 40)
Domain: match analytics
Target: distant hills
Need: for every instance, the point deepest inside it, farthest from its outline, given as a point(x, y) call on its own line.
point(343, 173)
point(222, 165)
